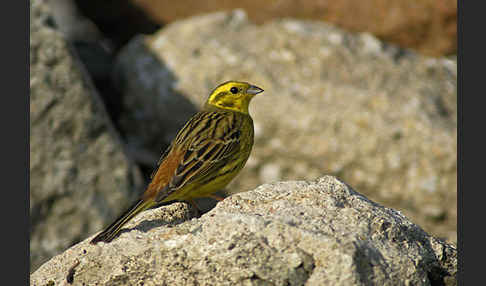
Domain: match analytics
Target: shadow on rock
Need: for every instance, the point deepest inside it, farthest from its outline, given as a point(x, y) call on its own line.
point(152, 110)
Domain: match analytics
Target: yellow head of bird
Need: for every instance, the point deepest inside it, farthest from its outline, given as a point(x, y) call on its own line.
point(233, 95)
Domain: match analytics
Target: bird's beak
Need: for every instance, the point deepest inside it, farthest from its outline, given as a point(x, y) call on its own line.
point(254, 90)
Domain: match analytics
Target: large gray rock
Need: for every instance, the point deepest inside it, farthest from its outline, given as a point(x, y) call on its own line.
point(153, 110)
point(287, 233)
point(381, 118)
point(79, 177)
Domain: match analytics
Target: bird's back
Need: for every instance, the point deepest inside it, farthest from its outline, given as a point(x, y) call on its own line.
point(205, 156)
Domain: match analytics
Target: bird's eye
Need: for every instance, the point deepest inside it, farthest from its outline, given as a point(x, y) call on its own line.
point(234, 90)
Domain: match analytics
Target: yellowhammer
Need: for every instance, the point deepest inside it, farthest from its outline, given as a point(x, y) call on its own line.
point(205, 156)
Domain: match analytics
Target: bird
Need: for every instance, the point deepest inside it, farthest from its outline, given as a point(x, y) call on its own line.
point(205, 155)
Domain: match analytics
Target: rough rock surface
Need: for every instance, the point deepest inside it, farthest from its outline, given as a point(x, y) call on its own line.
point(379, 117)
point(79, 176)
point(428, 26)
point(286, 233)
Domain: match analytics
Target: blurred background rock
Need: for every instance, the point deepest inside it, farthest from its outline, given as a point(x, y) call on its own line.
point(377, 109)
point(428, 26)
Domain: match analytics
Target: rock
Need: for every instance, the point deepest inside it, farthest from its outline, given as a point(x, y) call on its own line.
point(79, 177)
point(287, 233)
point(429, 26)
point(71, 22)
point(152, 118)
point(119, 21)
point(381, 118)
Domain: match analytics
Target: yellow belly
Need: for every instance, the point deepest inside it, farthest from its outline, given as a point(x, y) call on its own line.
point(196, 190)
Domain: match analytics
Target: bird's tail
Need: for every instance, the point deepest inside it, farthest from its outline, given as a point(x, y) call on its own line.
point(112, 230)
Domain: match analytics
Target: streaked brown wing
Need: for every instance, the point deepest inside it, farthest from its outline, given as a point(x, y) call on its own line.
point(183, 134)
point(204, 158)
point(206, 143)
